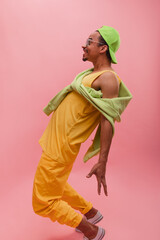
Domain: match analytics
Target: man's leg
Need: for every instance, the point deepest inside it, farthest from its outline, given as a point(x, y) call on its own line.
point(76, 201)
point(49, 183)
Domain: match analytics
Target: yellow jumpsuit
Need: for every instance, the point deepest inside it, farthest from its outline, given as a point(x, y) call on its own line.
point(70, 125)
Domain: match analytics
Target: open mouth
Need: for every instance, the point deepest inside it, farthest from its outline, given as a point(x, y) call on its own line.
point(84, 54)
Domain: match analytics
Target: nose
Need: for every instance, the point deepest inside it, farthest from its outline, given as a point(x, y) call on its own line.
point(84, 47)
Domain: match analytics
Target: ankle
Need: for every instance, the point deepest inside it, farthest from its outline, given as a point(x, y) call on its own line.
point(91, 213)
point(91, 232)
point(88, 229)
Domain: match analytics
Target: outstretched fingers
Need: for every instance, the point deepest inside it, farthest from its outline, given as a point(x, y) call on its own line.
point(104, 186)
point(98, 185)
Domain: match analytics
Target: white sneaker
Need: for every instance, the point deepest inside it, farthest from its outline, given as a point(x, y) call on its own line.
point(99, 236)
point(97, 218)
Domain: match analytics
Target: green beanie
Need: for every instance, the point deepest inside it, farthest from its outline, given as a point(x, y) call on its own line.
point(111, 36)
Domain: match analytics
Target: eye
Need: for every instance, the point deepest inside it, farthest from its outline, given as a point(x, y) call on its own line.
point(88, 42)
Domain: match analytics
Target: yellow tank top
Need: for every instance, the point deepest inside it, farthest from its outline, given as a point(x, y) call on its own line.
point(88, 80)
point(70, 125)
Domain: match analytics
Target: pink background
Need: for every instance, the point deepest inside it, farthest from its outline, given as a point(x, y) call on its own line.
point(40, 48)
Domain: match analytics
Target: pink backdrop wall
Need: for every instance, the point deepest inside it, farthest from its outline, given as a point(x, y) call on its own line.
point(40, 47)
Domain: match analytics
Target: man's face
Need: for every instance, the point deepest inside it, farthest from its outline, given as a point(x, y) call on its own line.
point(91, 50)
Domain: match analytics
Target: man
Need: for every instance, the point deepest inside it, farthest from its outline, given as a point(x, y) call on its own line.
point(90, 100)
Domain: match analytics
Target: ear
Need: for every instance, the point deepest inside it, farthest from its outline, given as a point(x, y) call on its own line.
point(103, 48)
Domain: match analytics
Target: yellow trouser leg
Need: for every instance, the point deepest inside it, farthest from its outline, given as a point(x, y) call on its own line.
point(75, 200)
point(59, 211)
point(49, 184)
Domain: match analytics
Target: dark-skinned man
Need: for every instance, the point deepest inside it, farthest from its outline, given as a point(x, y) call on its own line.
point(93, 98)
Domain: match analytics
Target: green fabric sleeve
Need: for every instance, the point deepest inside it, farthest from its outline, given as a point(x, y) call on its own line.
point(54, 103)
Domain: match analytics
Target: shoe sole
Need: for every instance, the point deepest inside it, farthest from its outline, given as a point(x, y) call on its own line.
point(102, 235)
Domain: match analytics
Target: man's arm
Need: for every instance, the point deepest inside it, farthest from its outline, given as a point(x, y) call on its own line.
point(109, 86)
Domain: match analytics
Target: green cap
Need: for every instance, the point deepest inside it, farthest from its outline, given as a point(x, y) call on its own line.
point(111, 36)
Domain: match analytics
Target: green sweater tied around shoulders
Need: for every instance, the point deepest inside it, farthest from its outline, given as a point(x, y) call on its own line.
point(111, 108)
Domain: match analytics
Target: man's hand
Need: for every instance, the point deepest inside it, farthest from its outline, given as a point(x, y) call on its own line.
point(99, 170)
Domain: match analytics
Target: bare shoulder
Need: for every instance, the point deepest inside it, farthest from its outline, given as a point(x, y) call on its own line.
point(109, 84)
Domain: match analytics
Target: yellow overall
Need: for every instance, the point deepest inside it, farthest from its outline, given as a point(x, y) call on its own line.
point(70, 125)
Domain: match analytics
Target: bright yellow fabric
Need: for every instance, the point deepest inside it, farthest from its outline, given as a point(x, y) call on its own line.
point(88, 80)
point(53, 197)
point(70, 125)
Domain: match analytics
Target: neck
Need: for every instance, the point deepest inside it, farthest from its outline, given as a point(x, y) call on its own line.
point(101, 64)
